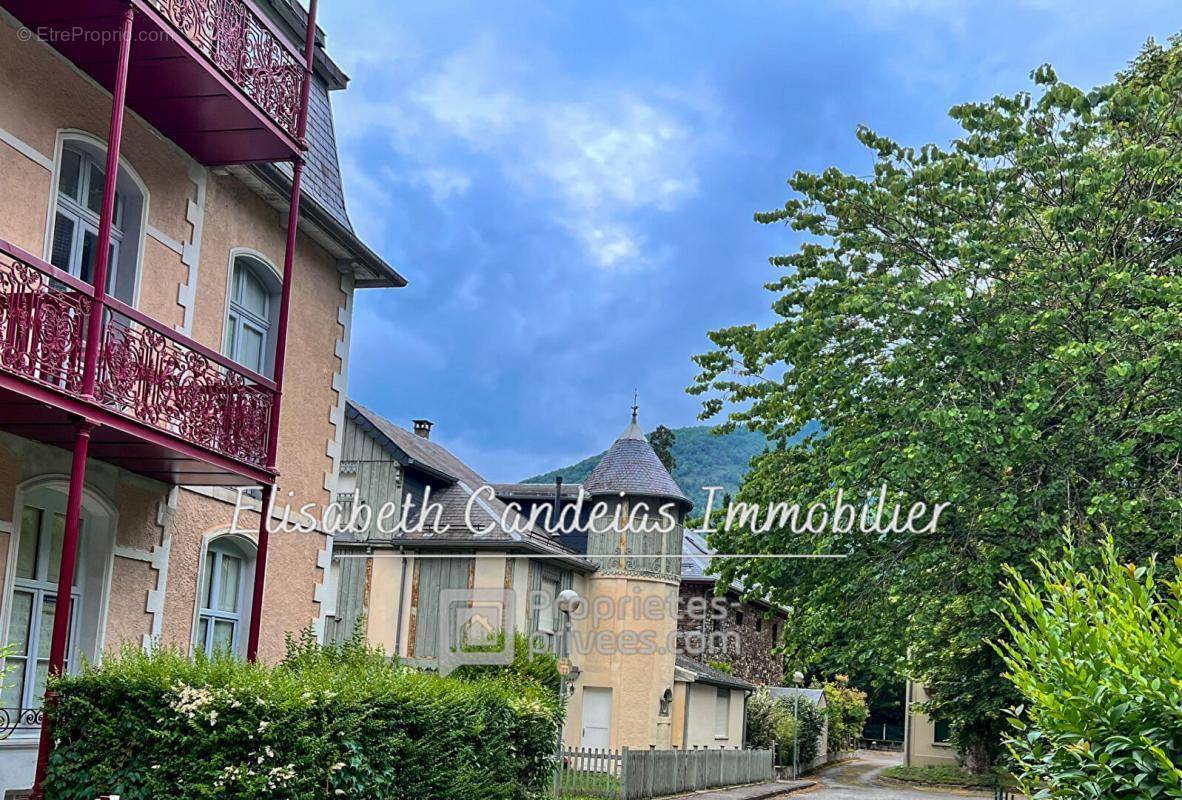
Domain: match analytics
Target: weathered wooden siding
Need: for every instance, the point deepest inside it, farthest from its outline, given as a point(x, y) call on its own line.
point(351, 599)
point(538, 569)
point(432, 576)
point(378, 476)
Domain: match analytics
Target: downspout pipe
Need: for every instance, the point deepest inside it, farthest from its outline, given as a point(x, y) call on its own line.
point(907, 732)
point(401, 599)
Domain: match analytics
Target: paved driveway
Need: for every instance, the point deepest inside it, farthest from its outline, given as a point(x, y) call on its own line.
point(859, 780)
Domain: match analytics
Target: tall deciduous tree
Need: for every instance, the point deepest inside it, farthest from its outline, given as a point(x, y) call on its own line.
point(662, 440)
point(994, 324)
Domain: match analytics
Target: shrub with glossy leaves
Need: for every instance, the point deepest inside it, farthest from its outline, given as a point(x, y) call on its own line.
point(1096, 651)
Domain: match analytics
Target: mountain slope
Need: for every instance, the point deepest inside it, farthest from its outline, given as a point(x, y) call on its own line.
point(703, 459)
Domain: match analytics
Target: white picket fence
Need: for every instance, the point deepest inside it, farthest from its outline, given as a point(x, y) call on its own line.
point(641, 774)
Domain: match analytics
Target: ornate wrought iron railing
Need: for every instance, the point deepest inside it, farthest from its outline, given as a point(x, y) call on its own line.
point(243, 43)
point(145, 370)
point(43, 315)
point(171, 382)
point(19, 719)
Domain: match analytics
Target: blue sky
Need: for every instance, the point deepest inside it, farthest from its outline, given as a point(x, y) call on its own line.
point(569, 186)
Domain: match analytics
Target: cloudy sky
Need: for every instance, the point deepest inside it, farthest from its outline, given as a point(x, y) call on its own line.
point(569, 184)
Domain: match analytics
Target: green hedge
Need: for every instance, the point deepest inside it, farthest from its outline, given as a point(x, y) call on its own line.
point(327, 723)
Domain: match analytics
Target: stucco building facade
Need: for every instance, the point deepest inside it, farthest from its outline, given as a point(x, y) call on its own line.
point(629, 686)
point(926, 741)
point(191, 319)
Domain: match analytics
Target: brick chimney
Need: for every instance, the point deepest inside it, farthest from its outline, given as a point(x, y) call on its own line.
point(423, 427)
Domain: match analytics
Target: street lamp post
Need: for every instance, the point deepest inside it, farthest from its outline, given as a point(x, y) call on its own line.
point(568, 600)
point(798, 679)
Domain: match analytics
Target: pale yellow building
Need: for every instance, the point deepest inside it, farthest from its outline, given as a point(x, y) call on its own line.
point(926, 742)
point(629, 687)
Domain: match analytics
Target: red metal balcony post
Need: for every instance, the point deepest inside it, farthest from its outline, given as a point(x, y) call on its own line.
point(102, 259)
point(293, 220)
point(65, 583)
point(65, 580)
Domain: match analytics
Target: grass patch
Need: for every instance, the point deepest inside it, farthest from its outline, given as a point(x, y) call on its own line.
point(943, 776)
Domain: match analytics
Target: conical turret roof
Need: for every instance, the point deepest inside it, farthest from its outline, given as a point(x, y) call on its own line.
point(631, 466)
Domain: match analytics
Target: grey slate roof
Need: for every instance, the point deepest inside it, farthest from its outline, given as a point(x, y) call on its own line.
point(460, 482)
point(322, 170)
point(326, 215)
point(534, 491)
point(632, 467)
point(814, 696)
point(707, 674)
point(695, 557)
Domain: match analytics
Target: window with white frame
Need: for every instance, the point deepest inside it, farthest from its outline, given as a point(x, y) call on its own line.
point(33, 603)
point(250, 318)
point(222, 596)
point(549, 615)
point(722, 714)
point(73, 244)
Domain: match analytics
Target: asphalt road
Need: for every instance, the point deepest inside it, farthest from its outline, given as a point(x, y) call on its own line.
point(860, 780)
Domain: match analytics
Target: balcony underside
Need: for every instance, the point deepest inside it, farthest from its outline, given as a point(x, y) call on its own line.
point(46, 416)
point(167, 406)
point(171, 82)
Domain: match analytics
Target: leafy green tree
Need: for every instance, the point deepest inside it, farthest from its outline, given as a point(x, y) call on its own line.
point(992, 324)
point(1095, 648)
point(662, 440)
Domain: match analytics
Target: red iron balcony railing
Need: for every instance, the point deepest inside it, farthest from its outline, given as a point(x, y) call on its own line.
point(244, 45)
point(145, 372)
point(217, 77)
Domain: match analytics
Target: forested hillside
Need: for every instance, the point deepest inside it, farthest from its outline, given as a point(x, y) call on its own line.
point(703, 459)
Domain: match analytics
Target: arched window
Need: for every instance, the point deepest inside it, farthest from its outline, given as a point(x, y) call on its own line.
point(34, 599)
point(77, 204)
point(250, 319)
point(225, 574)
point(31, 589)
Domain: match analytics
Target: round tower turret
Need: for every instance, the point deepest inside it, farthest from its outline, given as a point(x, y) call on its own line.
point(642, 532)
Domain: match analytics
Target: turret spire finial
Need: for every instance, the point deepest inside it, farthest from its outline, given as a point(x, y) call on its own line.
point(635, 404)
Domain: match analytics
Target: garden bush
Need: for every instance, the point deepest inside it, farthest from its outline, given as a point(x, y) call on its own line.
point(808, 741)
point(329, 722)
point(764, 717)
point(770, 721)
point(847, 711)
point(532, 664)
point(1095, 648)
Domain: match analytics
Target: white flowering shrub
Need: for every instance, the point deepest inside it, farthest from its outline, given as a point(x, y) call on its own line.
point(329, 722)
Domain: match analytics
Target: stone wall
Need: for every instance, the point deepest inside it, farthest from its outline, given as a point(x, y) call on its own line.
point(742, 635)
